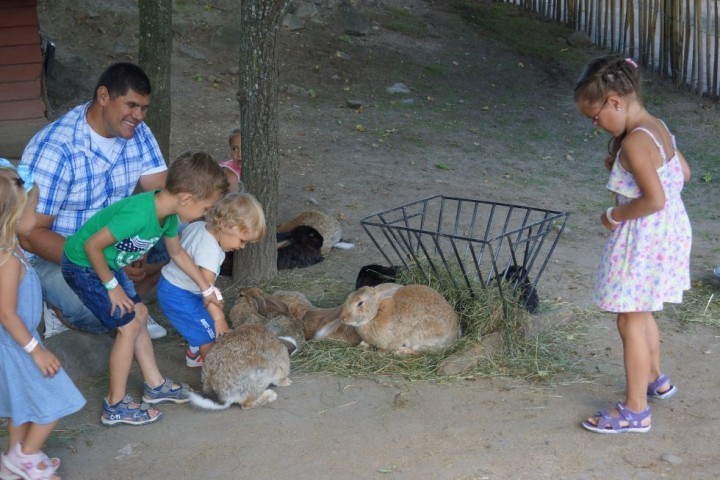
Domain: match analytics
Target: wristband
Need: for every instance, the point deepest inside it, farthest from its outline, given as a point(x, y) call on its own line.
point(608, 214)
point(31, 345)
point(110, 284)
point(218, 295)
point(208, 292)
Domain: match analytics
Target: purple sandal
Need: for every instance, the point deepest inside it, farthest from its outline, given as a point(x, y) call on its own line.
point(611, 425)
point(654, 387)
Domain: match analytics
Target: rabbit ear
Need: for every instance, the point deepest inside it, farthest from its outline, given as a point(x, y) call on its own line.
point(276, 305)
point(327, 329)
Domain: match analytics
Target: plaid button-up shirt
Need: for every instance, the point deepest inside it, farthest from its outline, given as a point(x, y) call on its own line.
point(75, 178)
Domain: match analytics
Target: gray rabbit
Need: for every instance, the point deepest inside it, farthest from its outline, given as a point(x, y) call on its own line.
point(241, 367)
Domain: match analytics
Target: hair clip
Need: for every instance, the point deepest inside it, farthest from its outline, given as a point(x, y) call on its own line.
point(26, 179)
point(631, 62)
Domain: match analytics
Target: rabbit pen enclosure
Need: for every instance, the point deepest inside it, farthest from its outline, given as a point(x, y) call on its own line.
point(469, 244)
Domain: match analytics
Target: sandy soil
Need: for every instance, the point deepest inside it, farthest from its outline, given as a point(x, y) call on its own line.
point(484, 122)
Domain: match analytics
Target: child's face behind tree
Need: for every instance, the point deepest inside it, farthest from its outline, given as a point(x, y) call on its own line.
point(235, 152)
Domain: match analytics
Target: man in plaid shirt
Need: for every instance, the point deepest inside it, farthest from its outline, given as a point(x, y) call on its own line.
point(91, 157)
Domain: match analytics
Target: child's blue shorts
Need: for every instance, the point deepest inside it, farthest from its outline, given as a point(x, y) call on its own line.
point(186, 312)
point(88, 287)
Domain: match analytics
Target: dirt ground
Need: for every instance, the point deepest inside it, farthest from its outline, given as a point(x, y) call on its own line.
point(481, 120)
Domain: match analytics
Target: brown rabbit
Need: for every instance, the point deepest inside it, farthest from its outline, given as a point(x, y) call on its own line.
point(255, 307)
point(327, 226)
point(402, 319)
point(240, 367)
point(313, 319)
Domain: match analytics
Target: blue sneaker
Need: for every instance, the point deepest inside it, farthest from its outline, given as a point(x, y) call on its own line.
point(122, 412)
point(165, 393)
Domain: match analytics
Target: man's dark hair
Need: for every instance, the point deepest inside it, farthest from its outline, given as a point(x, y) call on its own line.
point(118, 78)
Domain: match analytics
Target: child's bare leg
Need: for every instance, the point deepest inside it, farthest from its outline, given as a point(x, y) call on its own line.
point(653, 342)
point(204, 349)
point(37, 435)
point(144, 351)
point(143, 348)
point(633, 329)
point(121, 357)
point(17, 434)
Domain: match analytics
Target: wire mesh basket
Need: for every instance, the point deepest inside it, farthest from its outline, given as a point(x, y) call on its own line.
point(470, 244)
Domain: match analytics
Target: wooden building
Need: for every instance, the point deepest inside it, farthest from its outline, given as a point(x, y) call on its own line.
point(23, 102)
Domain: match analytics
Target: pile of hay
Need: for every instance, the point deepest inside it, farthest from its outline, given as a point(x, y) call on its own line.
point(485, 313)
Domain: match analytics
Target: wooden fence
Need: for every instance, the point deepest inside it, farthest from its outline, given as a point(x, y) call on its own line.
point(675, 38)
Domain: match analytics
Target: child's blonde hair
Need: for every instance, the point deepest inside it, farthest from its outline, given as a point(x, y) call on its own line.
point(196, 173)
point(241, 211)
point(13, 199)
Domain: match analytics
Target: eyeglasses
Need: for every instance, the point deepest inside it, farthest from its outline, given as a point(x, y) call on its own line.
point(596, 118)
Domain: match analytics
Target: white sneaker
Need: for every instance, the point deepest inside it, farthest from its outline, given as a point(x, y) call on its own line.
point(155, 329)
point(53, 325)
point(717, 271)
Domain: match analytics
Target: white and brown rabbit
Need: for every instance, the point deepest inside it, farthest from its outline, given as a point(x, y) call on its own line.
point(255, 307)
point(241, 367)
point(401, 319)
point(313, 318)
point(327, 227)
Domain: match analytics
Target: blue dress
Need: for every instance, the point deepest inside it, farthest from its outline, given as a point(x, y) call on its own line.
point(25, 394)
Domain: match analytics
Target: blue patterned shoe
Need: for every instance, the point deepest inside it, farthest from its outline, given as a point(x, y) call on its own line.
point(165, 393)
point(123, 412)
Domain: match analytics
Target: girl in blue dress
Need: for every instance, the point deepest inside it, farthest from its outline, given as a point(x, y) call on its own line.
point(35, 392)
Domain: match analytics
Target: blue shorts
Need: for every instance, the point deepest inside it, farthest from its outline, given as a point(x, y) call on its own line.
point(186, 312)
point(88, 287)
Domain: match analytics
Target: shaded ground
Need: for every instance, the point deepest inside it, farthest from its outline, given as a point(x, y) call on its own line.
point(483, 119)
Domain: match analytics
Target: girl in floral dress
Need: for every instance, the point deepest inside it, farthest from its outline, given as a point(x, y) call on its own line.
point(645, 262)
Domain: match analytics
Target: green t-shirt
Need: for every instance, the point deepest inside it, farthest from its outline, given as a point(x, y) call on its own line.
point(134, 224)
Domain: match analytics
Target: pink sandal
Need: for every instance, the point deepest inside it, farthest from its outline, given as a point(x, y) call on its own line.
point(27, 466)
point(6, 474)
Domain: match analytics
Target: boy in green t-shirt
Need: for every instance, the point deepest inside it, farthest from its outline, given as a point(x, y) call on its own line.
point(120, 234)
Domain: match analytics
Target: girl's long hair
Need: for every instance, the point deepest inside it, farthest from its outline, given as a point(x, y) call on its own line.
point(13, 199)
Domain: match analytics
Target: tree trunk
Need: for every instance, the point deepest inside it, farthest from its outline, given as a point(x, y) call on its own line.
point(260, 22)
point(155, 51)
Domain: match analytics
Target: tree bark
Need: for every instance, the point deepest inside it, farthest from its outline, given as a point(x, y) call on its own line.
point(260, 22)
point(155, 52)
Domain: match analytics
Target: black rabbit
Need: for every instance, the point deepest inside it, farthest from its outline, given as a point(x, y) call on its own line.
point(374, 274)
point(517, 277)
point(299, 247)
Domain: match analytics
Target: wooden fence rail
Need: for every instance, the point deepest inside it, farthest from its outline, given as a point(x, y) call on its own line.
point(675, 38)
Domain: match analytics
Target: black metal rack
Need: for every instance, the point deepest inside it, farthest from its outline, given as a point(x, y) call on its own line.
point(469, 243)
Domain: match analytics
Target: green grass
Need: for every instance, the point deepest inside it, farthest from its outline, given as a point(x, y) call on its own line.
point(701, 304)
point(519, 30)
point(402, 21)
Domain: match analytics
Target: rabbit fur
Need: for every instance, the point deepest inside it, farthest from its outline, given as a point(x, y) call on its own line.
point(299, 247)
point(374, 274)
point(517, 277)
point(327, 226)
point(255, 307)
point(402, 319)
point(313, 319)
point(240, 368)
